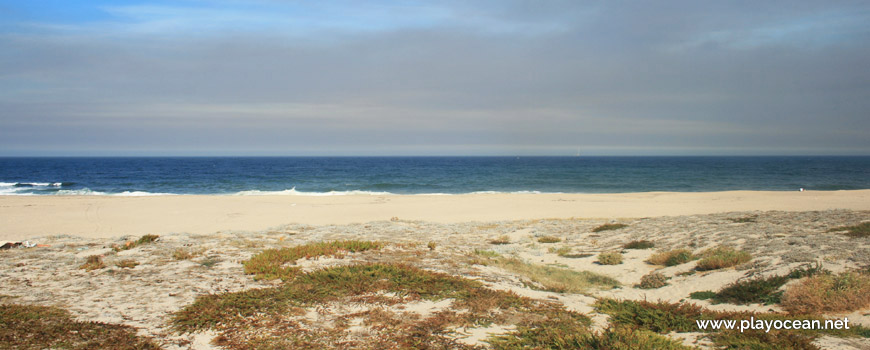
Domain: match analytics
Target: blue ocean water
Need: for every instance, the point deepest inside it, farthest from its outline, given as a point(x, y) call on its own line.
point(424, 175)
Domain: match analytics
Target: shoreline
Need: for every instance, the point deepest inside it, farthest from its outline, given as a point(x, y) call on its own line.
point(25, 217)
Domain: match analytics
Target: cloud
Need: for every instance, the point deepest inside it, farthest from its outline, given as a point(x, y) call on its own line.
point(506, 77)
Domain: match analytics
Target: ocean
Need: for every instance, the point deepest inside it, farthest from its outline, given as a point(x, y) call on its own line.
point(424, 175)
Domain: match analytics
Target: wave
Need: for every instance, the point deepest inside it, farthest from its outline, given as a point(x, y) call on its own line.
point(294, 192)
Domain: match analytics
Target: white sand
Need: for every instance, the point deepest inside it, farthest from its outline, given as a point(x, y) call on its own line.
point(23, 217)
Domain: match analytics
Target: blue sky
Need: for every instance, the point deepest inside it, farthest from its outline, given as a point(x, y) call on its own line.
point(273, 77)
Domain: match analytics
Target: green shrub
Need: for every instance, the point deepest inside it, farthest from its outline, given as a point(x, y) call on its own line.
point(269, 264)
point(703, 295)
point(638, 245)
point(652, 280)
point(610, 258)
point(671, 257)
point(722, 257)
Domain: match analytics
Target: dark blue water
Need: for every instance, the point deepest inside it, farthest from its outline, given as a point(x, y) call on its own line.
point(416, 175)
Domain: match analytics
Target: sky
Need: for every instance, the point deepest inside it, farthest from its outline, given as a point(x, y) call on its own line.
point(500, 77)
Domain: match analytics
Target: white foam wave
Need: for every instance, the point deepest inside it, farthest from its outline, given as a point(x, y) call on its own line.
point(294, 192)
point(81, 192)
point(142, 194)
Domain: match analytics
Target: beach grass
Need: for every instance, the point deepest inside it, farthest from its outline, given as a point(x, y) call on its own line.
point(721, 257)
point(671, 257)
point(554, 279)
point(269, 264)
point(642, 244)
point(43, 327)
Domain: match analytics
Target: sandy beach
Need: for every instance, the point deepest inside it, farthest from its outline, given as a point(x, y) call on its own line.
point(205, 241)
point(25, 217)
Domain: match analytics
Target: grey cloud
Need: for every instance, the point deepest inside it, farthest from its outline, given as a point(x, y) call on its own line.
point(615, 78)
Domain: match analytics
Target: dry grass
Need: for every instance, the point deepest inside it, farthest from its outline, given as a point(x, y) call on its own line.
point(608, 227)
point(127, 263)
point(855, 231)
point(610, 258)
point(269, 264)
point(549, 239)
point(501, 240)
point(722, 257)
point(93, 262)
point(822, 293)
point(30, 327)
point(133, 244)
point(183, 254)
point(554, 279)
point(671, 257)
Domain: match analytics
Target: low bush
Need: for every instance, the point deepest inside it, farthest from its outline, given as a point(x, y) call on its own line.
point(822, 293)
point(638, 245)
point(610, 258)
point(671, 257)
point(721, 257)
point(93, 262)
point(549, 239)
point(652, 280)
point(501, 240)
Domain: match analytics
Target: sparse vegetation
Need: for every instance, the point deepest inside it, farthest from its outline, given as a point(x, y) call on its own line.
point(703, 295)
point(567, 338)
point(744, 219)
point(127, 263)
point(671, 257)
point(763, 290)
point(269, 264)
point(40, 327)
point(431, 245)
point(500, 240)
point(554, 279)
point(133, 244)
point(662, 317)
point(610, 258)
point(93, 262)
point(825, 292)
point(652, 280)
point(183, 254)
point(643, 244)
point(549, 239)
point(264, 318)
point(209, 262)
point(855, 231)
point(721, 257)
point(608, 227)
